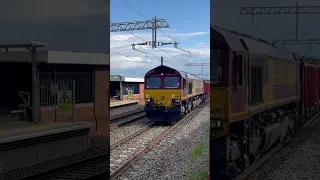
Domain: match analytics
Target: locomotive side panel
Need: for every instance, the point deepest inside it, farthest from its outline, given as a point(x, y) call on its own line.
point(279, 84)
point(318, 81)
point(282, 79)
point(258, 80)
point(191, 89)
point(196, 89)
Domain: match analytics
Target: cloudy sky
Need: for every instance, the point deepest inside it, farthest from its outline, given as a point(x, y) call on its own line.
point(189, 23)
point(225, 13)
point(68, 25)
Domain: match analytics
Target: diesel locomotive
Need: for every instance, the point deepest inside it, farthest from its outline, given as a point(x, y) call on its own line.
point(259, 95)
point(171, 94)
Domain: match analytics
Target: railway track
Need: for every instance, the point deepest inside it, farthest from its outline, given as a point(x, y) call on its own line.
point(118, 121)
point(130, 136)
point(122, 157)
point(98, 166)
point(272, 152)
point(90, 168)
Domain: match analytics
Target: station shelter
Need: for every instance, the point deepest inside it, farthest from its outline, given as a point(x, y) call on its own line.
point(83, 76)
point(126, 88)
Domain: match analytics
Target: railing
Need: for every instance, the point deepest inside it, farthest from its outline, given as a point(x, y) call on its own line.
point(26, 103)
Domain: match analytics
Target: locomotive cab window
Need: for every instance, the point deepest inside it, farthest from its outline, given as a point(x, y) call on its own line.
point(153, 82)
point(215, 66)
point(184, 83)
point(172, 82)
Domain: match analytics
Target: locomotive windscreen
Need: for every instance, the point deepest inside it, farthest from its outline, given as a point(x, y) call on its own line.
point(153, 82)
point(172, 82)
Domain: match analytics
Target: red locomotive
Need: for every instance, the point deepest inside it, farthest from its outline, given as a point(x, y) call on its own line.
point(171, 94)
point(259, 95)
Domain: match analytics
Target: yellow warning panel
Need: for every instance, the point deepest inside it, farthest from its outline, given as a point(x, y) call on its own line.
point(64, 103)
point(64, 98)
point(129, 93)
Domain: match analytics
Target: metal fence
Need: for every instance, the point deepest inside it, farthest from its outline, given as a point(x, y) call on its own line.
point(49, 88)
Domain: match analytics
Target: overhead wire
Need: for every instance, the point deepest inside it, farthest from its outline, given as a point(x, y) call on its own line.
point(134, 58)
point(133, 42)
point(125, 46)
point(127, 40)
point(146, 18)
point(159, 29)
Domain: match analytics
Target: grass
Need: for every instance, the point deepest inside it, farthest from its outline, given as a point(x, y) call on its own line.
point(195, 155)
point(199, 175)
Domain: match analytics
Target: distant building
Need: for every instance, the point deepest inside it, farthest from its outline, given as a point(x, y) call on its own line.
point(128, 84)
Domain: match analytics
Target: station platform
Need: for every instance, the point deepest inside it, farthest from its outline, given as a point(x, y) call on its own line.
point(120, 107)
point(24, 143)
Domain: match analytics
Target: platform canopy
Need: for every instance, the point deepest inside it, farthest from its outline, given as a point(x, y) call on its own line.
point(22, 45)
point(126, 79)
point(54, 57)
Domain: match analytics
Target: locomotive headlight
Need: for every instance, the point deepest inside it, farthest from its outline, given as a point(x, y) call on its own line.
point(215, 123)
point(148, 100)
point(175, 100)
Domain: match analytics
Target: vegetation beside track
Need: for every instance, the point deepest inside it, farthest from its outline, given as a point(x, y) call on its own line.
point(200, 150)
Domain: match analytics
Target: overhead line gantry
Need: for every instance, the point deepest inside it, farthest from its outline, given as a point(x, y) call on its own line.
point(153, 24)
point(293, 10)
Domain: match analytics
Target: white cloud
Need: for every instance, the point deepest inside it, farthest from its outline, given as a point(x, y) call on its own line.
point(186, 35)
point(203, 45)
point(135, 63)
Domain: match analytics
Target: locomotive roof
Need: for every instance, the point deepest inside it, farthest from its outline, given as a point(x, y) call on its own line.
point(162, 68)
point(255, 46)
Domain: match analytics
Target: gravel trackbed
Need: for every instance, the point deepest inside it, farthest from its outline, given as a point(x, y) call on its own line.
point(183, 154)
